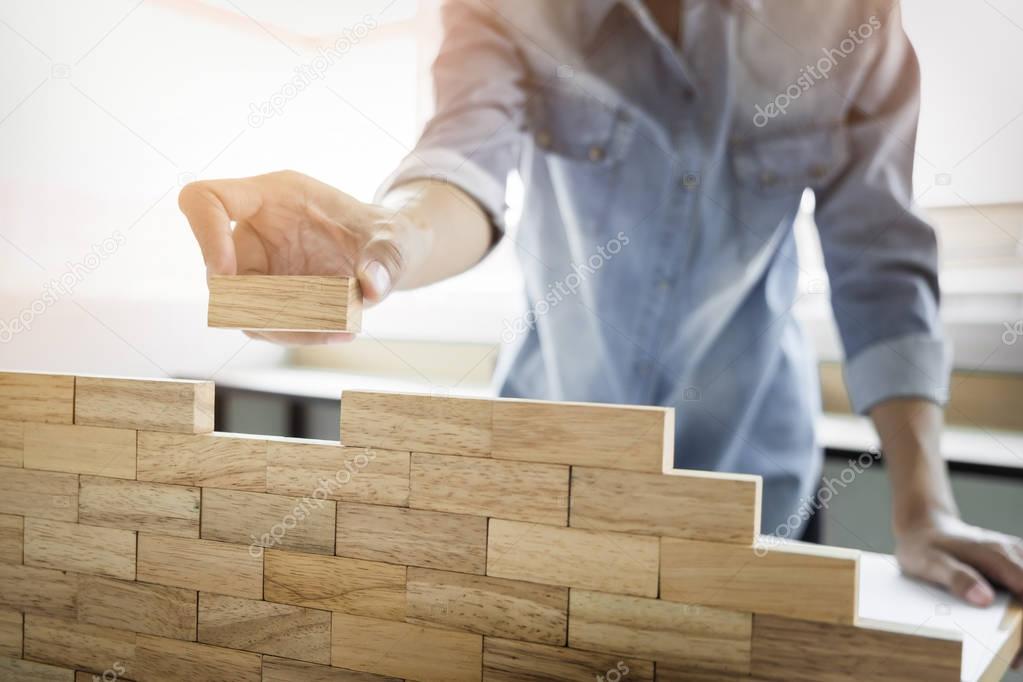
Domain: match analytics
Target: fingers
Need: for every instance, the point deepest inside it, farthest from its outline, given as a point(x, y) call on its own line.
point(959, 578)
point(210, 206)
point(381, 264)
point(997, 560)
point(301, 338)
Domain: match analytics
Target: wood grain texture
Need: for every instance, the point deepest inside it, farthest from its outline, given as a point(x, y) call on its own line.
point(488, 606)
point(159, 659)
point(801, 651)
point(809, 582)
point(139, 505)
point(370, 475)
point(412, 537)
point(278, 629)
point(299, 524)
point(610, 436)
point(285, 670)
point(698, 637)
point(177, 406)
point(697, 505)
point(12, 443)
point(285, 303)
point(76, 449)
point(63, 642)
point(10, 632)
point(11, 539)
point(421, 423)
point(511, 661)
point(216, 460)
point(405, 650)
point(31, 671)
point(80, 548)
point(356, 586)
point(39, 590)
point(202, 565)
point(597, 560)
point(29, 397)
point(40, 494)
point(138, 607)
point(668, 673)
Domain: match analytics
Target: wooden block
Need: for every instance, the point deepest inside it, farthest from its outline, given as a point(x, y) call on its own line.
point(64, 642)
point(691, 504)
point(598, 560)
point(161, 659)
point(285, 670)
point(41, 494)
point(80, 548)
point(278, 629)
point(12, 443)
point(139, 505)
point(39, 590)
point(30, 671)
point(679, 634)
point(11, 539)
point(488, 606)
point(216, 460)
point(139, 607)
point(370, 475)
point(412, 537)
point(424, 423)
point(668, 673)
point(305, 303)
point(37, 397)
point(809, 582)
point(584, 434)
point(510, 661)
point(802, 651)
point(178, 406)
point(362, 588)
point(78, 449)
point(200, 565)
point(405, 650)
point(264, 520)
point(521, 491)
point(10, 632)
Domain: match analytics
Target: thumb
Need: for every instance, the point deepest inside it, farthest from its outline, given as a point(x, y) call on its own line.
point(380, 267)
point(961, 579)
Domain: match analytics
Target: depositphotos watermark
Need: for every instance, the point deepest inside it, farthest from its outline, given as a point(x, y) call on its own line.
point(811, 74)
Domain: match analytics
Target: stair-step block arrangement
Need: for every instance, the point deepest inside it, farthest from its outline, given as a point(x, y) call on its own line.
point(442, 540)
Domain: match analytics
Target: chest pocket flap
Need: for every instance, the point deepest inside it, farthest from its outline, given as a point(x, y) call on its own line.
point(577, 126)
point(791, 161)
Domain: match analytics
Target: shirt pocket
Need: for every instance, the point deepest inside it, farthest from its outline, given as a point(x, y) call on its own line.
point(787, 163)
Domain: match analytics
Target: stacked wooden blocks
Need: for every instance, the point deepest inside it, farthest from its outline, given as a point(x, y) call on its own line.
point(447, 540)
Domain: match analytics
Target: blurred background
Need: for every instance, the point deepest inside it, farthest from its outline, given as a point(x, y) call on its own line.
point(108, 108)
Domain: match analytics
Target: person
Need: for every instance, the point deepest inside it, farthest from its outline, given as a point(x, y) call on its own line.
point(664, 148)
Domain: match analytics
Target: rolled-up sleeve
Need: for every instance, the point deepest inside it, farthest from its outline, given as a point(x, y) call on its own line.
point(474, 137)
point(881, 257)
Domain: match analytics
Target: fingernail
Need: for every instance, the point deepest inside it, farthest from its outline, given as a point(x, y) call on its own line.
point(379, 276)
point(980, 595)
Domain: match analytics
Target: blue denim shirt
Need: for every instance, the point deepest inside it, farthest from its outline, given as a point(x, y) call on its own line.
point(661, 186)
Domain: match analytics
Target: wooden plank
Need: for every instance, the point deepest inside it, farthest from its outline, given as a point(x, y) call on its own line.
point(139, 607)
point(611, 436)
point(277, 629)
point(521, 491)
point(12, 443)
point(685, 504)
point(39, 590)
point(30, 397)
point(356, 586)
point(412, 537)
point(264, 520)
point(200, 565)
point(285, 670)
point(307, 303)
point(31, 671)
point(424, 423)
point(160, 659)
point(216, 460)
point(78, 449)
point(802, 651)
point(405, 650)
point(10, 632)
point(510, 661)
point(11, 539)
point(669, 673)
point(697, 637)
point(305, 467)
point(1012, 643)
point(488, 606)
point(809, 582)
point(41, 494)
point(173, 405)
point(139, 505)
point(64, 642)
point(597, 560)
point(80, 548)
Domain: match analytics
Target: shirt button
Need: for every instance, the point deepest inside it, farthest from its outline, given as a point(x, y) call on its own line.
point(663, 285)
point(819, 171)
point(596, 153)
point(767, 178)
point(543, 139)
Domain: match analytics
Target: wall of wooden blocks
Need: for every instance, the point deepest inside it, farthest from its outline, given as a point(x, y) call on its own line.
point(447, 540)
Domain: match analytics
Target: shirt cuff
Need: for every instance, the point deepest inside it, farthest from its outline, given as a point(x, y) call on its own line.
point(445, 165)
point(915, 365)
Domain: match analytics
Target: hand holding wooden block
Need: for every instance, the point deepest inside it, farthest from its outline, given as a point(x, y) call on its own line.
point(285, 303)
